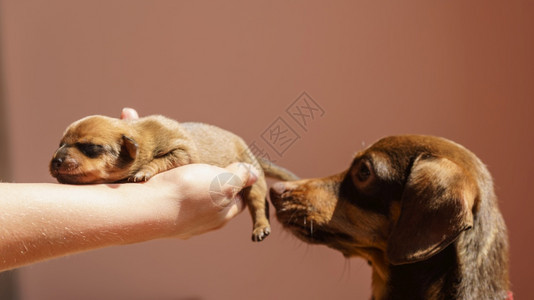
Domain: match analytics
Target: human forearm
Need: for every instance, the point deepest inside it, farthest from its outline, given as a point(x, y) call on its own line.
point(40, 221)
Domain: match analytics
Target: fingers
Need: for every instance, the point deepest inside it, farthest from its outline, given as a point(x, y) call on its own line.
point(129, 114)
point(235, 208)
point(229, 185)
point(247, 173)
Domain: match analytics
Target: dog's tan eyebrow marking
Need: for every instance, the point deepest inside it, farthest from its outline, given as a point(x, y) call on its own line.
point(380, 163)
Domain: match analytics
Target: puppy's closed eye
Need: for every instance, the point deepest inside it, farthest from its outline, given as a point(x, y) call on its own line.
point(90, 150)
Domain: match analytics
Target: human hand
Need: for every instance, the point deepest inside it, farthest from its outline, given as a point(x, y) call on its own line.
point(206, 196)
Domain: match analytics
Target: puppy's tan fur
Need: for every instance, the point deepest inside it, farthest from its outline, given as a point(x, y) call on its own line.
point(99, 149)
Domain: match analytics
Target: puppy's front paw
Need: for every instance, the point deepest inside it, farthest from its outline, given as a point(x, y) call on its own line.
point(260, 233)
point(141, 176)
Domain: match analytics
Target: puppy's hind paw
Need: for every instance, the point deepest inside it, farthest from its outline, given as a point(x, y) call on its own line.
point(259, 234)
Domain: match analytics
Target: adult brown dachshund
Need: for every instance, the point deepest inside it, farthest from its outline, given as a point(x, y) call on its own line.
point(422, 210)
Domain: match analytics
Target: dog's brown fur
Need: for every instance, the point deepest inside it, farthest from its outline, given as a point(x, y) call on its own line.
point(100, 149)
point(422, 210)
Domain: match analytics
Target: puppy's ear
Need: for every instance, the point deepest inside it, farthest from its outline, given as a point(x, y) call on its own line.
point(129, 148)
point(436, 207)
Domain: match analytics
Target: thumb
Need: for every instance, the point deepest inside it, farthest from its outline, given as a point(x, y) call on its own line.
point(129, 114)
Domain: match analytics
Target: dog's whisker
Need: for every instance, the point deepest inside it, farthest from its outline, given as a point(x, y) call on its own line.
point(346, 270)
point(290, 220)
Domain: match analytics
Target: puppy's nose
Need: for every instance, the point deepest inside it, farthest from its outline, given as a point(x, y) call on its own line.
point(56, 162)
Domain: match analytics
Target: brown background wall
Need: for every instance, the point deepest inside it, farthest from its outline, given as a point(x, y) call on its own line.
point(464, 71)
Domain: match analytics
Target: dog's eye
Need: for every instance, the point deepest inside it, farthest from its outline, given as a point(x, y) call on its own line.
point(364, 171)
point(90, 150)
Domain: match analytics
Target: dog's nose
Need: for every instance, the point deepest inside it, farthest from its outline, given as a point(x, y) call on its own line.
point(278, 188)
point(56, 162)
point(281, 187)
point(280, 191)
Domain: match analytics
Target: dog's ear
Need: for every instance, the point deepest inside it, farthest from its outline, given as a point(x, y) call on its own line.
point(436, 206)
point(129, 148)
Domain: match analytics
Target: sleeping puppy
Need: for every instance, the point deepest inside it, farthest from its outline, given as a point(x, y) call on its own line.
point(421, 210)
point(99, 149)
